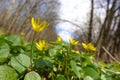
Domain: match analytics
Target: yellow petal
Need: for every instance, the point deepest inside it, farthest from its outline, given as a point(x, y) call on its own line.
point(59, 39)
point(33, 23)
point(41, 45)
point(37, 26)
point(84, 46)
point(38, 46)
point(43, 25)
point(38, 21)
point(73, 42)
point(43, 42)
point(75, 51)
point(91, 47)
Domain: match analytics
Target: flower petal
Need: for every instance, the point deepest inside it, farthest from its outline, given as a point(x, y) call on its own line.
point(37, 26)
point(84, 46)
point(73, 42)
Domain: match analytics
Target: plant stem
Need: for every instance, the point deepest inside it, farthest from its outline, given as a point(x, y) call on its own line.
point(32, 49)
point(66, 66)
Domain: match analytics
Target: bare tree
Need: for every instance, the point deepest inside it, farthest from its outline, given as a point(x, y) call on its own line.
point(107, 27)
point(18, 17)
point(91, 22)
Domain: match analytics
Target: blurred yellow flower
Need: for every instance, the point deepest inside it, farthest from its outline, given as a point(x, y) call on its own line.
point(22, 33)
point(75, 51)
point(61, 51)
point(89, 46)
point(85, 46)
point(37, 25)
point(59, 39)
point(41, 45)
point(73, 42)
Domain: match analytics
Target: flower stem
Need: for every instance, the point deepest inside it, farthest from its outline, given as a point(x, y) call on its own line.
point(66, 66)
point(32, 49)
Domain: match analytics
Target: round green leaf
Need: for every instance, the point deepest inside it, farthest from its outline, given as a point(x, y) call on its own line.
point(4, 51)
point(75, 68)
point(61, 77)
point(32, 76)
point(7, 73)
point(14, 39)
point(20, 62)
point(90, 71)
point(52, 52)
point(43, 64)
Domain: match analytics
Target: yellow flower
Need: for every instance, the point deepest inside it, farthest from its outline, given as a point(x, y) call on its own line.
point(59, 39)
point(37, 25)
point(61, 51)
point(41, 45)
point(75, 51)
point(22, 33)
point(73, 42)
point(85, 46)
point(89, 46)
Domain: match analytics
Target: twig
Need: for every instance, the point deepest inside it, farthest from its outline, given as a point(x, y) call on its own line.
point(110, 55)
point(111, 71)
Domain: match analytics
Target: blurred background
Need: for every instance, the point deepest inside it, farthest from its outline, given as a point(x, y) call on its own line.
point(95, 21)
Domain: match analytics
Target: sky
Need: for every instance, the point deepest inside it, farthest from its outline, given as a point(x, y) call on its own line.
point(77, 12)
point(72, 10)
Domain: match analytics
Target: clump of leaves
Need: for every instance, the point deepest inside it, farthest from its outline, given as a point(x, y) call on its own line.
point(55, 62)
point(51, 61)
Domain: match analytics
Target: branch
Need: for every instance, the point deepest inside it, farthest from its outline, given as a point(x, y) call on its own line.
point(116, 9)
point(110, 55)
point(111, 71)
point(63, 20)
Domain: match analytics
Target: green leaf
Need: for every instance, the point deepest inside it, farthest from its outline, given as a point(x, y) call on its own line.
point(32, 76)
point(61, 77)
point(14, 39)
point(43, 64)
point(20, 62)
point(109, 76)
point(60, 57)
point(86, 58)
point(52, 52)
point(7, 73)
point(88, 78)
point(75, 68)
point(4, 54)
point(4, 51)
point(90, 71)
